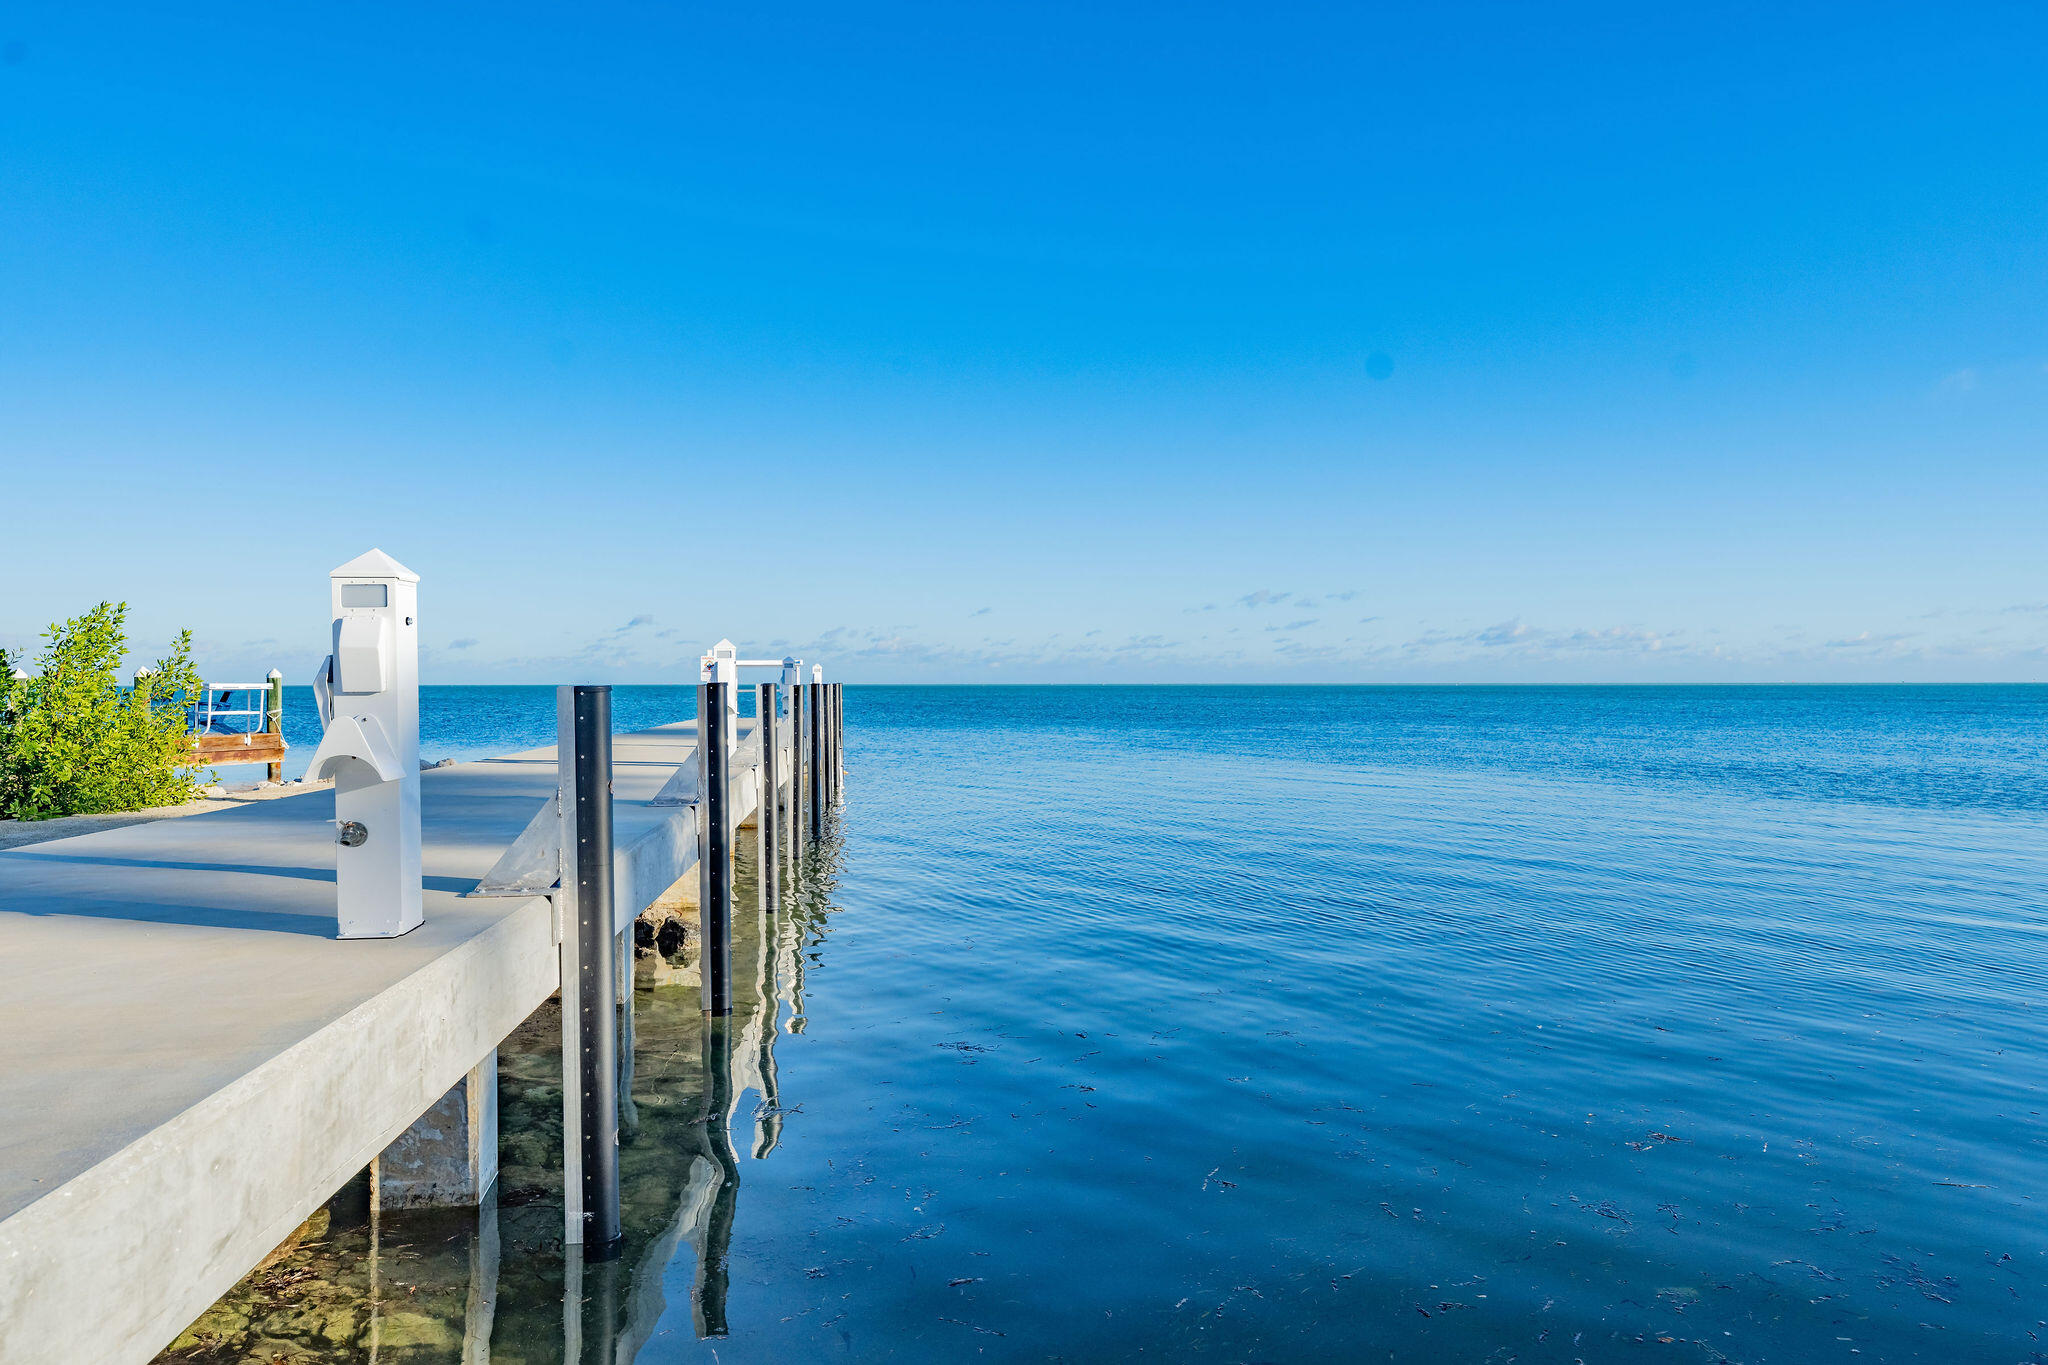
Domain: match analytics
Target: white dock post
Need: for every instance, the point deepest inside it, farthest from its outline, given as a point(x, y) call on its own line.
point(480, 1312)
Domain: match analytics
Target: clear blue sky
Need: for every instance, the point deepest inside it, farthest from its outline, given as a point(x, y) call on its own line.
point(1079, 342)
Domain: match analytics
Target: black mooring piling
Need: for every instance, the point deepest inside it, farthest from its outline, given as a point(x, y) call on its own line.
point(716, 884)
point(792, 797)
point(831, 743)
point(767, 809)
point(818, 778)
point(597, 971)
point(799, 774)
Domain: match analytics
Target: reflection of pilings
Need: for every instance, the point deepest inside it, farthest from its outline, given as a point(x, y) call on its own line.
point(590, 1311)
point(707, 1204)
point(611, 1313)
point(629, 1112)
point(712, 1233)
point(761, 1039)
point(572, 1307)
point(601, 1308)
point(805, 904)
point(481, 1312)
point(789, 971)
point(800, 927)
point(376, 1275)
point(645, 1301)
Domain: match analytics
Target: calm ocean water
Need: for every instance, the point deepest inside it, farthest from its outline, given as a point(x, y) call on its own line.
point(1251, 1024)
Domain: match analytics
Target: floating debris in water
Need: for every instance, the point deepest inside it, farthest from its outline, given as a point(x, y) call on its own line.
point(1652, 1139)
point(985, 1331)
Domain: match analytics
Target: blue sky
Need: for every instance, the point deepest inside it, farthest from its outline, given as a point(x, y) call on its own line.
point(1062, 342)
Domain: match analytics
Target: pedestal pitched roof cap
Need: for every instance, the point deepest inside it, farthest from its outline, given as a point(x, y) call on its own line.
point(375, 564)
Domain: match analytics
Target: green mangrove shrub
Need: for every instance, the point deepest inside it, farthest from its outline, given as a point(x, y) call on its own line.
point(74, 740)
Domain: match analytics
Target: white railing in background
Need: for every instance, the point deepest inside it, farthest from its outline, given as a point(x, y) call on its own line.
point(206, 710)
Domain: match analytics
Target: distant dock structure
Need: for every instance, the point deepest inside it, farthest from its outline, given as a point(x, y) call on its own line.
point(192, 1062)
point(240, 723)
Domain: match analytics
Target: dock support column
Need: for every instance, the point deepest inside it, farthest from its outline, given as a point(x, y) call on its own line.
point(590, 1020)
point(818, 779)
point(767, 810)
point(449, 1157)
point(715, 830)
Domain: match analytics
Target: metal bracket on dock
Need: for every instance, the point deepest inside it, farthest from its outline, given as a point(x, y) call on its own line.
point(681, 787)
point(532, 866)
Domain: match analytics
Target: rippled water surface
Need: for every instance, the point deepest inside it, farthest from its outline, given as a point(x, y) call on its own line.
point(1284, 1024)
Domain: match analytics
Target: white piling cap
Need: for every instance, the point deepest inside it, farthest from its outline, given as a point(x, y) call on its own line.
point(721, 664)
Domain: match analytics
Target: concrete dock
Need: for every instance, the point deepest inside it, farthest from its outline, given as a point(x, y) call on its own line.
point(191, 1062)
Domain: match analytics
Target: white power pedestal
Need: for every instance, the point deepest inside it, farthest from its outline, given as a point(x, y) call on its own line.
point(369, 695)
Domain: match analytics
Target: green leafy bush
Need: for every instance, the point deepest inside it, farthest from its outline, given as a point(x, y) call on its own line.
point(73, 740)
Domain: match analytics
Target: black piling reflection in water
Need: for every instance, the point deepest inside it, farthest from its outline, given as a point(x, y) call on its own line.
point(714, 1165)
point(737, 1053)
point(768, 871)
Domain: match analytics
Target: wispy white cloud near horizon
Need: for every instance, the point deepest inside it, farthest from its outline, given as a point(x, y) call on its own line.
point(1308, 649)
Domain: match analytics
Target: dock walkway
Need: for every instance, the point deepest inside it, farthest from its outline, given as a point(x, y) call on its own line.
point(191, 1062)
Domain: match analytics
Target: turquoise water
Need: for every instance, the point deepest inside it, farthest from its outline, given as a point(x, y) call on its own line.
point(1282, 1024)
point(465, 723)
